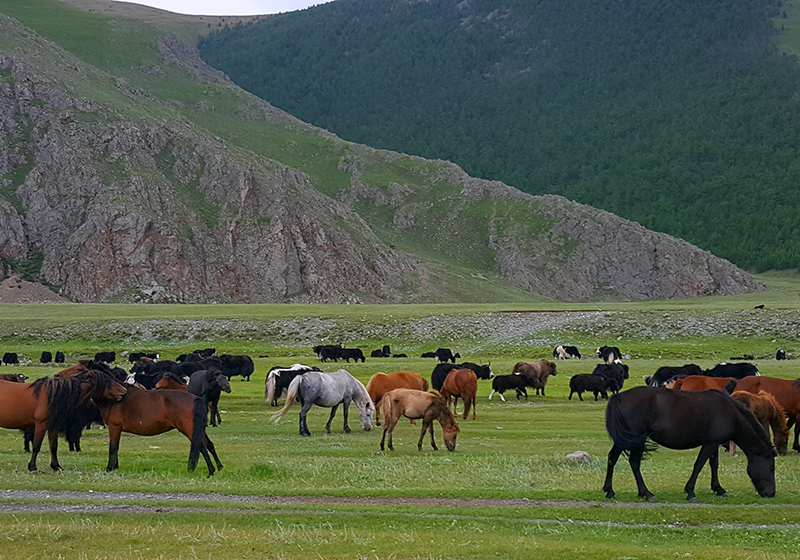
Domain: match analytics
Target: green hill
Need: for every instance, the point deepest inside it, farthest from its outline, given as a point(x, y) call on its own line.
point(678, 114)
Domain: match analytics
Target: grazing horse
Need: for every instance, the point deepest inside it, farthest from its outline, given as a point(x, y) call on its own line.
point(279, 378)
point(683, 420)
point(785, 391)
point(461, 383)
point(150, 413)
point(208, 384)
point(48, 405)
point(381, 383)
point(412, 404)
point(701, 383)
point(769, 413)
point(328, 390)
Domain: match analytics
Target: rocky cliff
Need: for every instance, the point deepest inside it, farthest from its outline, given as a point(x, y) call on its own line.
point(113, 190)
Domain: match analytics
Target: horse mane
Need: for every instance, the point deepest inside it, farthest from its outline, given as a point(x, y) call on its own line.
point(176, 377)
point(796, 383)
point(752, 422)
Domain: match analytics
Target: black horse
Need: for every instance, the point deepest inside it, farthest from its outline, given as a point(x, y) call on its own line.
point(208, 384)
point(683, 420)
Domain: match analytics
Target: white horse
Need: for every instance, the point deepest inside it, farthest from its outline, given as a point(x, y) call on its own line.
point(328, 390)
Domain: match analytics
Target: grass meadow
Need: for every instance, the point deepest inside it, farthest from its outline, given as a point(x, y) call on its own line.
point(508, 490)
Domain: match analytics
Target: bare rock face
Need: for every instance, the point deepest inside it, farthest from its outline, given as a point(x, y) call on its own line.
point(121, 205)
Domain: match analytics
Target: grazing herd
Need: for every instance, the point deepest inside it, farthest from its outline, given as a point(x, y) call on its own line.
point(684, 407)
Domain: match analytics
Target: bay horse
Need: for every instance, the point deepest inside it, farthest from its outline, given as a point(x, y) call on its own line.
point(173, 381)
point(48, 406)
point(150, 413)
point(785, 391)
point(461, 383)
point(683, 420)
point(328, 390)
point(769, 413)
point(702, 383)
point(381, 383)
point(413, 403)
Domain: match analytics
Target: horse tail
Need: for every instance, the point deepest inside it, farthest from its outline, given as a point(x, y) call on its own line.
point(291, 394)
point(618, 428)
point(386, 405)
point(269, 392)
point(198, 431)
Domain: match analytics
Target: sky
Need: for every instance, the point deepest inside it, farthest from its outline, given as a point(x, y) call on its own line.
point(229, 7)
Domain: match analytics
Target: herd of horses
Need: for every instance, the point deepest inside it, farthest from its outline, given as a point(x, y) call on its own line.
point(685, 412)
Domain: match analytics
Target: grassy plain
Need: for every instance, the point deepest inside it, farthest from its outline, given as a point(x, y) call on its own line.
point(338, 496)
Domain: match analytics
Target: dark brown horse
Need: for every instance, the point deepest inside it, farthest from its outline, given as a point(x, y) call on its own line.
point(412, 403)
point(381, 383)
point(149, 413)
point(49, 405)
point(461, 383)
point(683, 420)
point(785, 391)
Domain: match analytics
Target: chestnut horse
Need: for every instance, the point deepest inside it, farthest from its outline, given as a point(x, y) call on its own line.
point(769, 413)
point(461, 383)
point(381, 383)
point(48, 405)
point(701, 383)
point(412, 403)
point(150, 413)
point(173, 381)
point(785, 391)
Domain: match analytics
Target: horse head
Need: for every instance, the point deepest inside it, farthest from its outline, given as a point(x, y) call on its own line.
point(761, 470)
point(450, 429)
point(366, 412)
point(219, 379)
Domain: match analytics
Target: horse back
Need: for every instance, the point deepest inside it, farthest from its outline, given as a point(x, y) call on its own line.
point(149, 413)
point(462, 382)
point(19, 407)
point(411, 403)
point(785, 391)
point(702, 383)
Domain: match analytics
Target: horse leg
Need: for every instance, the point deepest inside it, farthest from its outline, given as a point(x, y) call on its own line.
point(345, 410)
point(705, 454)
point(713, 462)
point(635, 461)
point(53, 437)
point(210, 445)
point(789, 422)
point(113, 447)
point(333, 413)
point(378, 413)
point(38, 437)
point(613, 456)
point(303, 425)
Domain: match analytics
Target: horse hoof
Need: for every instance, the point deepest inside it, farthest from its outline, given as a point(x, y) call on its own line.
point(693, 499)
point(305, 434)
point(346, 430)
point(611, 495)
point(652, 499)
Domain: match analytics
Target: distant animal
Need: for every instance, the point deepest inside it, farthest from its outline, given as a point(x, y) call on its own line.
point(14, 377)
point(665, 373)
point(445, 355)
point(780, 354)
point(208, 384)
point(328, 390)
point(237, 365)
point(702, 383)
point(205, 352)
point(683, 420)
point(149, 413)
point(354, 354)
point(428, 355)
point(537, 372)
point(60, 358)
point(502, 383)
point(401, 355)
point(105, 357)
point(566, 352)
point(10, 358)
point(609, 354)
point(617, 372)
point(46, 358)
point(414, 404)
point(385, 352)
point(381, 383)
point(771, 415)
point(441, 370)
point(760, 306)
point(461, 383)
point(738, 371)
point(329, 352)
point(785, 391)
point(279, 378)
point(136, 356)
point(595, 384)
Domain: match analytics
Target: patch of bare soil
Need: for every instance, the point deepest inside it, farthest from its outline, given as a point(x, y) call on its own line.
point(16, 290)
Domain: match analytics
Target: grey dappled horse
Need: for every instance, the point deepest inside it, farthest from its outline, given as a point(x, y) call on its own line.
point(328, 390)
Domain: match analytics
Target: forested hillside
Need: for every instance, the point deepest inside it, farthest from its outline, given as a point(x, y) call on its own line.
point(681, 115)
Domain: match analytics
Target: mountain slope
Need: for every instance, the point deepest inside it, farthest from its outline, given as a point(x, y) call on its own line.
point(133, 172)
point(679, 114)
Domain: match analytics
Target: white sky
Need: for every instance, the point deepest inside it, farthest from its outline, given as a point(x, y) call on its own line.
point(229, 7)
